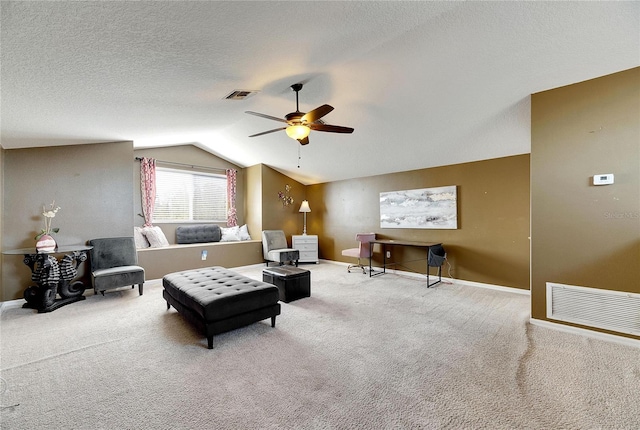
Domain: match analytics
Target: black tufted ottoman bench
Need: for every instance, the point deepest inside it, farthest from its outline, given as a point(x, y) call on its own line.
point(216, 300)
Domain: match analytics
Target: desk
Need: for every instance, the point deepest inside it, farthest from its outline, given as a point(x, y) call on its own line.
point(53, 276)
point(391, 242)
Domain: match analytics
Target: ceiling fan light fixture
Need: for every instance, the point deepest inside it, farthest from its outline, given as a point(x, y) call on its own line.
point(298, 132)
point(300, 124)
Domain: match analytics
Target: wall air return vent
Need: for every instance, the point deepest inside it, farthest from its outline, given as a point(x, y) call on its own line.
point(240, 94)
point(609, 310)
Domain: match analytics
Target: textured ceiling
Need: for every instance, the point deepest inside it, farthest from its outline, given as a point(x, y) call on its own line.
point(424, 84)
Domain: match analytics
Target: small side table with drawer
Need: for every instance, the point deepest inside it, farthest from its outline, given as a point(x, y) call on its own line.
point(308, 247)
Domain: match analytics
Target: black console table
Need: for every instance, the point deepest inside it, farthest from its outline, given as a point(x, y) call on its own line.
point(53, 276)
point(392, 242)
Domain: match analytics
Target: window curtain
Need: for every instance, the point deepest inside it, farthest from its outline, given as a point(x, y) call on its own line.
point(148, 188)
point(232, 216)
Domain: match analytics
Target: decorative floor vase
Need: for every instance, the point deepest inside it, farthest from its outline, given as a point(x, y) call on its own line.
point(46, 243)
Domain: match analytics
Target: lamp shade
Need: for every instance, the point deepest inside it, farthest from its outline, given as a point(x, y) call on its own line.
point(298, 131)
point(304, 207)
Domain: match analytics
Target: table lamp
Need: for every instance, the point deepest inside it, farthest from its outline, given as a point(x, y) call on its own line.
point(304, 207)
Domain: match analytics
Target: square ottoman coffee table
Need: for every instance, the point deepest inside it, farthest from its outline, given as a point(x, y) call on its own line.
point(216, 299)
point(293, 282)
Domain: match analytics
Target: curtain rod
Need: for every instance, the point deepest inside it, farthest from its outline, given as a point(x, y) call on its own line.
point(172, 163)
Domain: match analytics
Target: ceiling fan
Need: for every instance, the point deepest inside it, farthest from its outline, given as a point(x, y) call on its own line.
point(300, 124)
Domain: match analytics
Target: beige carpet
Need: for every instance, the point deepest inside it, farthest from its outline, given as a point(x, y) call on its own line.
point(370, 353)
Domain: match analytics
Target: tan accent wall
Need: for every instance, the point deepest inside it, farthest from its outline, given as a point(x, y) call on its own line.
point(583, 234)
point(253, 200)
point(92, 184)
point(276, 216)
point(491, 243)
point(265, 210)
point(2, 170)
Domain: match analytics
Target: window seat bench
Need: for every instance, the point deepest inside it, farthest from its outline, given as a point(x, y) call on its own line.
point(158, 262)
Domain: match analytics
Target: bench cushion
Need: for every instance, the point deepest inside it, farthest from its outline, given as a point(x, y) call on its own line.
point(283, 255)
point(201, 233)
point(118, 271)
point(216, 293)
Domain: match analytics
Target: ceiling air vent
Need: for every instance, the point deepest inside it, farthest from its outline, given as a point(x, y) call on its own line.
point(240, 94)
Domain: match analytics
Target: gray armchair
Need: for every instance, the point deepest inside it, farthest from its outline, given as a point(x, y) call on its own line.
point(275, 248)
point(114, 264)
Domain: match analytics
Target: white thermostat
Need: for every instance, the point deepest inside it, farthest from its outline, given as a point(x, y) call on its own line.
point(604, 179)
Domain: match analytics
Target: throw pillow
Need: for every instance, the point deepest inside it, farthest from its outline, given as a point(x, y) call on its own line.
point(140, 239)
point(156, 237)
point(244, 233)
point(230, 234)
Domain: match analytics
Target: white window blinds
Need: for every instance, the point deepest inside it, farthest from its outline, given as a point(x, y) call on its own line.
point(190, 196)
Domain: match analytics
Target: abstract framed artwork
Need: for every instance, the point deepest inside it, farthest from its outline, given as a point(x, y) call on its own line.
point(435, 208)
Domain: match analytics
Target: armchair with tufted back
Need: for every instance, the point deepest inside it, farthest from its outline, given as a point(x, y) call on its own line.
point(114, 264)
point(275, 248)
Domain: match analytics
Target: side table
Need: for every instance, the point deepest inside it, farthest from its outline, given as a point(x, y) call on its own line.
point(293, 282)
point(53, 276)
point(307, 244)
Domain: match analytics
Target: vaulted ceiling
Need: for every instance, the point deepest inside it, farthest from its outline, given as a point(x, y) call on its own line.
point(424, 84)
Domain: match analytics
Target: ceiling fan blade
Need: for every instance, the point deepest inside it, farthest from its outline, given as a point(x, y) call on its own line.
point(331, 128)
point(267, 132)
point(316, 114)
point(265, 116)
point(304, 141)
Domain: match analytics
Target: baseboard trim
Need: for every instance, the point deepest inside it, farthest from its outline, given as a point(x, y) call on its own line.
point(250, 266)
point(446, 280)
point(10, 304)
point(512, 290)
point(635, 343)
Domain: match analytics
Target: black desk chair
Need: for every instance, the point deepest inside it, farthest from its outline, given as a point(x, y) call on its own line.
point(437, 257)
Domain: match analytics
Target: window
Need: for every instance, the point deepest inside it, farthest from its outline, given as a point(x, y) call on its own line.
point(190, 196)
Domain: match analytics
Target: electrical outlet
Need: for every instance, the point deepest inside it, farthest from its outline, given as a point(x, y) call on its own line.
point(388, 254)
point(203, 255)
point(604, 179)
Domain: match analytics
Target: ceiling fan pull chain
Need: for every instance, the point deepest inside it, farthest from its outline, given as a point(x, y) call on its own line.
point(299, 156)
